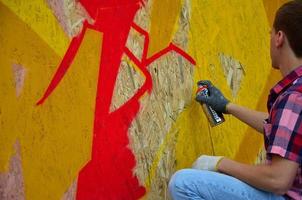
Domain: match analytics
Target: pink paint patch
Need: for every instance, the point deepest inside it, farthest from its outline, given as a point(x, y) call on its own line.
point(70, 194)
point(11, 182)
point(58, 9)
point(19, 72)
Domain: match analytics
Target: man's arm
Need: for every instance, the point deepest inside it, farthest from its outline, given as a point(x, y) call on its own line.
point(220, 104)
point(250, 117)
point(276, 177)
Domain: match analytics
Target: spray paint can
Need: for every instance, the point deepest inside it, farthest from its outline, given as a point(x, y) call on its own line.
point(215, 118)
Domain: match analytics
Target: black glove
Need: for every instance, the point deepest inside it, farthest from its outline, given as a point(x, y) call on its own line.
point(215, 98)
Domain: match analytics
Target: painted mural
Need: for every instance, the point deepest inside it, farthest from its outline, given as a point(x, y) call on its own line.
point(97, 97)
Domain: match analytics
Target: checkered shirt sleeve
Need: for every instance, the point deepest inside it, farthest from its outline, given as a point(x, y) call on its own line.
point(285, 135)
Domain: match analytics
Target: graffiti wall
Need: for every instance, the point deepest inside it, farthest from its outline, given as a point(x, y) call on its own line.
point(97, 97)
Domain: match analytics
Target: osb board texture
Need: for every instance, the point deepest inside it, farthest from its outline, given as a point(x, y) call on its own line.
point(170, 130)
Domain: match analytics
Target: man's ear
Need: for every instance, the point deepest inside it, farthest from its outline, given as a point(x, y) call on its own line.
point(279, 39)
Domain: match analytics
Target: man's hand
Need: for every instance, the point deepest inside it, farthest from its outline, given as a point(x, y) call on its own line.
point(215, 99)
point(209, 163)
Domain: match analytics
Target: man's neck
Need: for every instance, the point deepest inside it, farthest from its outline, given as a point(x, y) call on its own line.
point(289, 64)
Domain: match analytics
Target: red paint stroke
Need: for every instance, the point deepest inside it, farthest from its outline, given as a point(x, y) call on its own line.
point(109, 175)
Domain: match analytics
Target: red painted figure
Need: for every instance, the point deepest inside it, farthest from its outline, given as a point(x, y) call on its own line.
point(109, 173)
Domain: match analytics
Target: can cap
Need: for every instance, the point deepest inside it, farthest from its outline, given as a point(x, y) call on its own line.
point(200, 88)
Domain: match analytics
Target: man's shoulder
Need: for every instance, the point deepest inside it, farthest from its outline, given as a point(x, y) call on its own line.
point(292, 92)
point(291, 98)
point(296, 87)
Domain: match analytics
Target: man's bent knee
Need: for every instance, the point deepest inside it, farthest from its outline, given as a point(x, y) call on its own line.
point(182, 184)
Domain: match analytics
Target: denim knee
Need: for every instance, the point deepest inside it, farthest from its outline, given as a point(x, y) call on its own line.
point(199, 184)
point(177, 180)
point(180, 182)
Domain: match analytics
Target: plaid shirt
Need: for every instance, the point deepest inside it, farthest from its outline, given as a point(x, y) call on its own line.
point(283, 128)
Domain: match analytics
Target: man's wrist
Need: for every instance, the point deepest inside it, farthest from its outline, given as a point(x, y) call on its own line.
point(220, 164)
point(228, 107)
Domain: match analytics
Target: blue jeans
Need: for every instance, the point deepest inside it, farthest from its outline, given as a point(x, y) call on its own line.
point(206, 185)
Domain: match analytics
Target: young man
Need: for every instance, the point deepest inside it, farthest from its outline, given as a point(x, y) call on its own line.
point(220, 178)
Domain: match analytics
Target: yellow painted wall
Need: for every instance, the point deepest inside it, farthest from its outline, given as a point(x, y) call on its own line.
point(240, 30)
point(56, 137)
point(164, 20)
point(40, 19)
point(273, 77)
